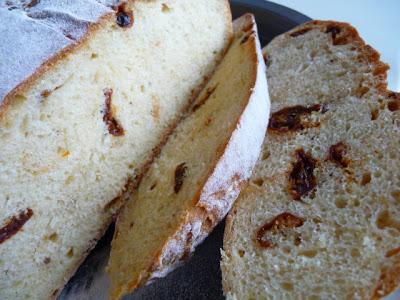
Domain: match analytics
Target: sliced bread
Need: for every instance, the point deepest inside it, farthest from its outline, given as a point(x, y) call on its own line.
point(192, 184)
point(321, 217)
point(87, 92)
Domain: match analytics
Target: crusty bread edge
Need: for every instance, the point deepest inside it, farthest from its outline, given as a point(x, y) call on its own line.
point(351, 36)
point(390, 278)
point(203, 214)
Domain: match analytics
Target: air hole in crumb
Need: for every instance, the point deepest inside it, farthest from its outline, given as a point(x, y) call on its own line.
point(25, 125)
point(349, 189)
point(309, 253)
point(377, 174)
point(392, 155)
point(258, 181)
point(241, 252)
point(313, 53)
point(354, 252)
point(53, 237)
point(297, 240)
point(93, 56)
point(287, 286)
point(366, 178)
point(165, 8)
point(70, 252)
point(317, 220)
point(266, 155)
point(18, 100)
point(396, 195)
point(340, 203)
point(69, 179)
point(374, 114)
point(318, 289)
point(394, 105)
point(385, 220)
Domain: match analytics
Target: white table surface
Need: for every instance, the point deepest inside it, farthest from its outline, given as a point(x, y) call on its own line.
point(378, 23)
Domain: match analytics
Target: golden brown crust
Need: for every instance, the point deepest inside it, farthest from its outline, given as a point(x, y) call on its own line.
point(389, 279)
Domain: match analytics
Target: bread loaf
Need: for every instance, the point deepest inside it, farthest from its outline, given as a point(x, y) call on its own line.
point(320, 219)
point(192, 184)
point(88, 91)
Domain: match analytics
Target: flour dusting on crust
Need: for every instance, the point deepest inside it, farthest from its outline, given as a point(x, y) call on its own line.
point(43, 28)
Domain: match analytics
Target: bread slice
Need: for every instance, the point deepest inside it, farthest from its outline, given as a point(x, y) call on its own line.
point(87, 92)
point(192, 184)
point(321, 218)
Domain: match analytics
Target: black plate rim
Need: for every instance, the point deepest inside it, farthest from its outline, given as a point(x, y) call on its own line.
point(290, 15)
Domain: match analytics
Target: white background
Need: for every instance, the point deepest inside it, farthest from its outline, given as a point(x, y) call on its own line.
point(378, 23)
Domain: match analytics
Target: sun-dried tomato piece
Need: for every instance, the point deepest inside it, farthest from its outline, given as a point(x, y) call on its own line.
point(14, 224)
point(280, 223)
point(289, 118)
point(113, 126)
point(301, 177)
point(180, 174)
point(337, 153)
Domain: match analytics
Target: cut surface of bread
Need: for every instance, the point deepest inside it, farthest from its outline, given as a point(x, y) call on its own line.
point(320, 218)
point(192, 184)
point(75, 134)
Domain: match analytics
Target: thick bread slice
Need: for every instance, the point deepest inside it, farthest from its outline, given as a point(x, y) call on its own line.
point(320, 218)
point(200, 171)
point(88, 93)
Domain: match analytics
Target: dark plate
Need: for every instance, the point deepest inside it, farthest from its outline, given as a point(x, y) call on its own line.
point(200, 277)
